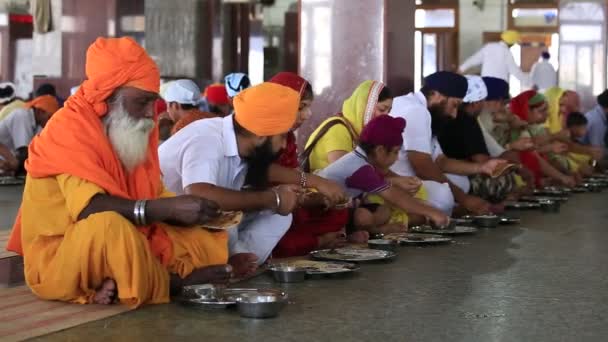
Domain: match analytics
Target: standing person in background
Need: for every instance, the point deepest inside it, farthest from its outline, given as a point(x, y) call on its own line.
point(543, 74)
point(8, 99)
point(496, 59)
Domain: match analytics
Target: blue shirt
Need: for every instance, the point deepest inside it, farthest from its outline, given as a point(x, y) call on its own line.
point(596, 127)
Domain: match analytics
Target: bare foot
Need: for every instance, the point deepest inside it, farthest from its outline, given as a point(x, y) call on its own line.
point(106, 293)
point(215, 274)
point(244, 264)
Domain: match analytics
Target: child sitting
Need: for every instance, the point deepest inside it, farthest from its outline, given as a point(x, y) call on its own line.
point(363, 171)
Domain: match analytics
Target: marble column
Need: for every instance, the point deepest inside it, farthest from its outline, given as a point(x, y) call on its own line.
point(345, 42)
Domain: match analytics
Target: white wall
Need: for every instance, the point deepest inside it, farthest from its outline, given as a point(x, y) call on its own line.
point(474, 22)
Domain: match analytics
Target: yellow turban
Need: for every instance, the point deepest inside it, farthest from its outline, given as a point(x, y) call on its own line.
point(267, 109)
point(510, 37)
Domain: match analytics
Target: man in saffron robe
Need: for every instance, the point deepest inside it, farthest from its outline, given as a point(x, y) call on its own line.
point(83, 229)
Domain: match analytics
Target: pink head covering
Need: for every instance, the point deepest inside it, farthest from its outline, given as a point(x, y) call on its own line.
point(383, 130)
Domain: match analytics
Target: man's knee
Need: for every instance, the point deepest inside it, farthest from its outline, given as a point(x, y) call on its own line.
point(108, 222)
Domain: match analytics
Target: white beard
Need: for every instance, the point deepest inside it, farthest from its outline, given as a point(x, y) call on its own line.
point(128, 136)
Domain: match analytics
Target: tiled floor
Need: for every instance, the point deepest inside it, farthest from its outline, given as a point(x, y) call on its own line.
point(545, 280)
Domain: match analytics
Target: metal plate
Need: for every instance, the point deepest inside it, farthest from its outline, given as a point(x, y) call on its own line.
point(509, 220)
point(417, 238)
point(462, 221)
point(203, 296)
point(314, 267)
point(352, 254)
point(9, 180)
point(543, 198)
point(522, 205)
point(458, 230)
point(580, 189)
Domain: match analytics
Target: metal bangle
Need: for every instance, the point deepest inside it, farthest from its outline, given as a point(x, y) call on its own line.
point(142, 212)
point(136, 214)
point(278, 199)
point(303, 179)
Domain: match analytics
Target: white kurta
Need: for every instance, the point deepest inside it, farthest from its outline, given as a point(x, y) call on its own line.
point(497, 61)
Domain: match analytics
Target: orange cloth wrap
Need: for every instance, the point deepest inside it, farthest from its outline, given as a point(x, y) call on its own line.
point(267, 109)
point(47, 103)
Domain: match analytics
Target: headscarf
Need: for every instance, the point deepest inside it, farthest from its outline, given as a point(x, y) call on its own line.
point(556, 120)
point(384, 130)
point(520, 105)
point(216, 94)
point(74, 140)
point(359, 108)
point(289, 156)
point(47, 103)
point(510, 37)
point(267, 109)
point(476, 90)
point(235, 83)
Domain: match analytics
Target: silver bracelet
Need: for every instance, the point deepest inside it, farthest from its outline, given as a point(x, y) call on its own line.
point(278, 199)
point(139, 213)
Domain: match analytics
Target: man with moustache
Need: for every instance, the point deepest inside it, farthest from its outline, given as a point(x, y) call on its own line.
point(230, 161)
point(426, 113)
point(96, 224)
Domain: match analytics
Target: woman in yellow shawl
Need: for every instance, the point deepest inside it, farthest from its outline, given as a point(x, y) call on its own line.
point(339, 135)
point(561, 103)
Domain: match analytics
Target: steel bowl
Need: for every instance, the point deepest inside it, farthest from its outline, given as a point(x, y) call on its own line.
point(550, 206)
point(451, 225)
point(486, 221)
point(288, 274)
point(260, 306)
point(382, 244)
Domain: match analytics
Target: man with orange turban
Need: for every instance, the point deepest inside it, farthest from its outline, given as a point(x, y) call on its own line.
point(239, 151)
point(93, 222)
point(19, 128)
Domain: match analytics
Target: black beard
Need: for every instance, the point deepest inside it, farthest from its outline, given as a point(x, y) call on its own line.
point(439, 119)
point(258, 164)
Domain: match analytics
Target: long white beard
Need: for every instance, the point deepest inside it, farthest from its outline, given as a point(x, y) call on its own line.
point(128, 136)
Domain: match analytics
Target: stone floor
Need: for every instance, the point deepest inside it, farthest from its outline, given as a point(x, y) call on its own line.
point(545, 280)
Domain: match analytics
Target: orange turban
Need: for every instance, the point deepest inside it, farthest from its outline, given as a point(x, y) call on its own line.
point(74, 140)
point(47, 103)
point(267, 109)
point(113, 63)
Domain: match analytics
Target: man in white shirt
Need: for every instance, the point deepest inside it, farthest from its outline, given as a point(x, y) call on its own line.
point(425, 112)
point(496, 59)
point(215, 158)
point(543, 73)
point(19, 128)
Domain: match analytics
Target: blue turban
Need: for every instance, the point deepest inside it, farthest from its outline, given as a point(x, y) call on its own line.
point(498, 89)
point(447, 83)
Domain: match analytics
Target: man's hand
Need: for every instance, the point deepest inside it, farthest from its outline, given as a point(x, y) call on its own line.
point(491, 165)
point(332, 190)
point(517, 123)
point(186, 210)
point(568, 181)
point(475, 205)
point(597, 153)
point(559, 148)
point(411, 185)
point(288, 195)
point(314, 200)
point(522, 144)
point(563, 135)
point(439, 219)
point(332, 240)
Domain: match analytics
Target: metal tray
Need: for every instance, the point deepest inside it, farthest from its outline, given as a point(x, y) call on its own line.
point(522, 205)
point(462, 221)
point(206, 296)
point(320, 268)
point(352, 254)
point(418, 238)
point(543, 198)
point(458, 230)
point(9, 180)
point(509, 220)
